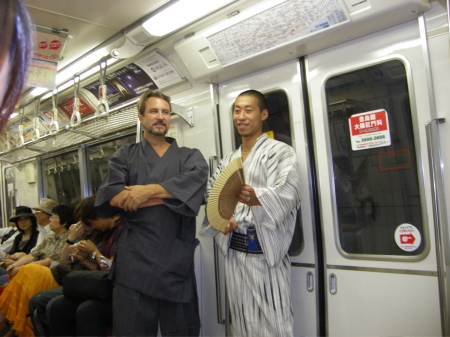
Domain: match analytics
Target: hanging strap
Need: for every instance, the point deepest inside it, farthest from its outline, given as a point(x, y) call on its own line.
point(54, 125)
point(21, 136)
point(75, 119)
point(103, 105)
point(37, 132)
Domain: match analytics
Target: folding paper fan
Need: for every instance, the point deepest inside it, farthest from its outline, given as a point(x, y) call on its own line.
point(224, 195)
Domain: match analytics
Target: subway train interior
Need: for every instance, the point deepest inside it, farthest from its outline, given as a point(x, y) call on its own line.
point(359, 88)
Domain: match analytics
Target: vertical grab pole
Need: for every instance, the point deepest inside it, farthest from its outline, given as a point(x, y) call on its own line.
point(440, 220)
point(220, 320)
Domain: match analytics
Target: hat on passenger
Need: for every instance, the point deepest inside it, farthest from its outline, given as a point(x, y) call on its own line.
point(20, 212)
point(46, 205)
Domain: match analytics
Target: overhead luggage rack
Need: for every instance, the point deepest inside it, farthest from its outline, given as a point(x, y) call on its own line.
point(119, 118)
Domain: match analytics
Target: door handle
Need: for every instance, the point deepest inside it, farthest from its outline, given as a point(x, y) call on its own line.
point(333, 284)
point(310, 281)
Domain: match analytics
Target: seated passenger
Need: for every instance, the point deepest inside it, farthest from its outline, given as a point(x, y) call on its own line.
point(24, 241)
point(71, 317)
point(50, 248)
point(30, 274)
point(28, 230)
point(7, 235)
point(43, 213)
point(77, 232)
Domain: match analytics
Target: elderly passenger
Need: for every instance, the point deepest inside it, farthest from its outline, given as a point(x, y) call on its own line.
point(30, 274)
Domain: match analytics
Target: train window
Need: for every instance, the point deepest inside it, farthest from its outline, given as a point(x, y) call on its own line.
point(374, 161)
point(10, 189)
point(278, 126)
point(62, 178)
point(99, 156)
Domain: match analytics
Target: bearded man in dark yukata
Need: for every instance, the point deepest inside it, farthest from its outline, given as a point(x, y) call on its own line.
point(159, 188)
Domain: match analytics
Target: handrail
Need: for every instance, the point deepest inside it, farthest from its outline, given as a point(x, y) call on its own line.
point(37, 133)
point(440, 219)
point(220, 319)
point(54, 125)
point(55, 128)
point(75, 119)
point(21, 137)
point(102, 101)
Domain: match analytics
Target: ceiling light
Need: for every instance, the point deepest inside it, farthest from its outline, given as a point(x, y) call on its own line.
point(37, 91)
point(180, 14)
point(80, 65)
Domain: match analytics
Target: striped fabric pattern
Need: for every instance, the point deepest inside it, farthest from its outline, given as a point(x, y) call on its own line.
point(258, 286)
point(259, 297)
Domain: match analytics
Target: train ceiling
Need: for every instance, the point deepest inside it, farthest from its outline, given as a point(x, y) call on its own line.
point(88, 22)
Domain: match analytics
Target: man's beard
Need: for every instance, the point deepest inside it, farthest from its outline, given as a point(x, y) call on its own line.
point(158, 133)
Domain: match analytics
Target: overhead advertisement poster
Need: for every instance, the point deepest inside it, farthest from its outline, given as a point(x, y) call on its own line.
point(152, 72)
point(160, 70)
point(44, 61)
point(369, 130)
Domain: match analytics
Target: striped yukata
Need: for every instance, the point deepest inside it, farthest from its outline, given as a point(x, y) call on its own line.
point(258, 285)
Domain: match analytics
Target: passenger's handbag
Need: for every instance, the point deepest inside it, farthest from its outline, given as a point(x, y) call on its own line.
point(88, 285)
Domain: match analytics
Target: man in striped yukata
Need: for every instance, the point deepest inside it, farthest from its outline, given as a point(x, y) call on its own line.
point(256, 242)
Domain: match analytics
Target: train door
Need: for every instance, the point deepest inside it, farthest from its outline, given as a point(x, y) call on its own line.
point(194, 128)
point(369, 103)
point(282, 87)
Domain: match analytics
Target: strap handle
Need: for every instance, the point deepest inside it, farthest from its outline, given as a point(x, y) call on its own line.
point(54, 125)
point(103, 105)
point(75, 119)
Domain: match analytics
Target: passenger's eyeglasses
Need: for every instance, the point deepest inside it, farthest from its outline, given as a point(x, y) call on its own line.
point(54, 217)
point(36, 212)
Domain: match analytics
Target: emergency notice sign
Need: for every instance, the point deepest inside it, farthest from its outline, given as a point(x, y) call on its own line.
point(369, 130)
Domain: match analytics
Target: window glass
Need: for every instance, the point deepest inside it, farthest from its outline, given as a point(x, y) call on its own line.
point(375, 171)
point(278, 126)
point(61, 175)
point(99, 156)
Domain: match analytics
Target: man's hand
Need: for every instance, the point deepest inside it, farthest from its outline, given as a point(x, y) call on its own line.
point(132, 198)
point(77, 253)
point(137, 196)
point(119, 199)
point(231, 227)
point(247, 196)
point(87, 246)
point(76, 231)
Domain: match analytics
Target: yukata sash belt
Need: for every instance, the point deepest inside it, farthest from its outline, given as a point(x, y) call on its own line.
point(246, 243)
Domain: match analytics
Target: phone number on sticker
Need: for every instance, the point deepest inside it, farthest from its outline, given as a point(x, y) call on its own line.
point(368, 139)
